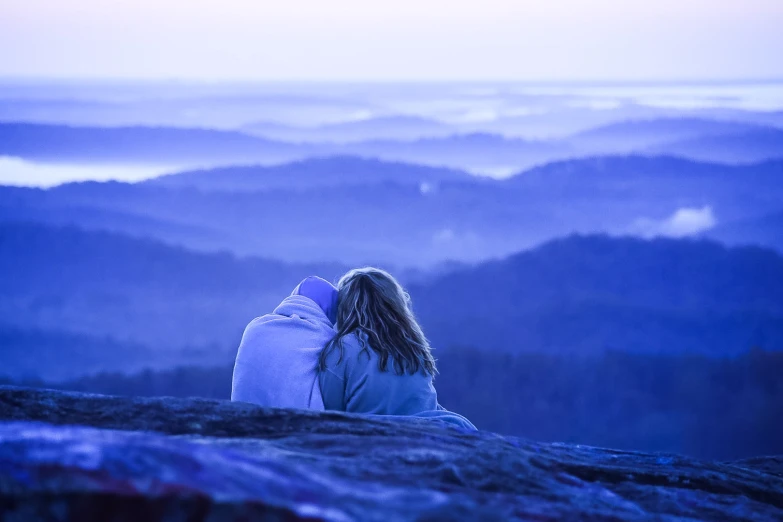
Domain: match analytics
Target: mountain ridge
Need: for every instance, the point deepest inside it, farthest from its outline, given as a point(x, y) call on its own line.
point(407, 222)
point(574, 295)
point(309, 173)
point(136, 144)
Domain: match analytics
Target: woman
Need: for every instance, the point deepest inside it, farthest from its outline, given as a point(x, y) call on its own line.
point(277, 358)
point(379, 361)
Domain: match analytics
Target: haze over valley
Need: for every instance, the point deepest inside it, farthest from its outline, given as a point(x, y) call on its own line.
point(627, 228)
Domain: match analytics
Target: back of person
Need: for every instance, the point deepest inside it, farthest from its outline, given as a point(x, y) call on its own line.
point(277, 358)
point(379, 362)
point(356, 383)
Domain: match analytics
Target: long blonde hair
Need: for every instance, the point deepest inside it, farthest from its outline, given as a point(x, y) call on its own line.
point(372, 304)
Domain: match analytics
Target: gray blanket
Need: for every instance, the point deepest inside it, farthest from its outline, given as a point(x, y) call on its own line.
point(277, 358)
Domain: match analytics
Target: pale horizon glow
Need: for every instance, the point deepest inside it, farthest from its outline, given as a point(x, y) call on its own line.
point(355, 40)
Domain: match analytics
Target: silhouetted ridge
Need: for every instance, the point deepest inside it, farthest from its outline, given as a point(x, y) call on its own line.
point(334, 171)
point(136, 144)
point(744, 147)
point(588, 294)
point(636, 134)
point(402, 219)
point(137, 290)
point(578, 294)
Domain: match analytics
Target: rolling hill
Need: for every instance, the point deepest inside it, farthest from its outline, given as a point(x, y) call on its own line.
point(136, 290)
point(55, 355)
point(745, 147)
point(403, 222)
point(312, 173)
point(477, 152)
point(636, 135)
point(577, 295)
point(765, 230)
point(582, 295)
point(436, 145)
point(396, 127)
point(139, 145)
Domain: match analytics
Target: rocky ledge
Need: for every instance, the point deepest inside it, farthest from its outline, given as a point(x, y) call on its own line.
point(71, 456)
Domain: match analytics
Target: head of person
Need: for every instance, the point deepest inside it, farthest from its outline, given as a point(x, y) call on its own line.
point(320, 291)
point(372, 304)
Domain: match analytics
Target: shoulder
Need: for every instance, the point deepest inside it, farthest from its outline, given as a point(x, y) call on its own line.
point(346, 348)
point(350, 353)
point(262, 320)
point(355, 343)
point(259, 324)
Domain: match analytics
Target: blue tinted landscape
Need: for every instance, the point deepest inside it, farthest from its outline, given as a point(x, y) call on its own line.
point(593, 263)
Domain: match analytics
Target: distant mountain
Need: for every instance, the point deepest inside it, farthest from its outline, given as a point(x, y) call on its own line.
point(558, 122)
point(765, 230)
point(403, 223)
point(597, 171)
point(55, 355)
point(652, 187)
point(399, 224)
point(170, 146)
point(169, 105)
point(312, 173)
point(75, 302)
point(107, 219)
point(637, 135)
point(745, 147)
point(583, 295)
point(136, 290)
point(480, 152)
point(399, 127)
point(139, 145)
point(759, 117)
point(100, 294)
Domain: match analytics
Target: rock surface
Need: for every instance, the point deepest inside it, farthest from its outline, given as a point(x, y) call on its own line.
point(70, 456)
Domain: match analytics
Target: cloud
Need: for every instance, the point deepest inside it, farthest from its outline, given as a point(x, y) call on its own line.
point(682, 223)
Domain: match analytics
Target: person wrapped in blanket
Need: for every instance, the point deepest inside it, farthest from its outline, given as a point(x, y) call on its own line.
point(379, 361)
point(277, 358)
point(358, 349)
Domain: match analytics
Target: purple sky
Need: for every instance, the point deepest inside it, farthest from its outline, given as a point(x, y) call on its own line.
point(400, 40)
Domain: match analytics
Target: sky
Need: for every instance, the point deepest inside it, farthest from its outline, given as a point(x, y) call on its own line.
point(344, 40)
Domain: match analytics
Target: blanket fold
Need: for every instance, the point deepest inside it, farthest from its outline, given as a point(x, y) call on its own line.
point(278, 356)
